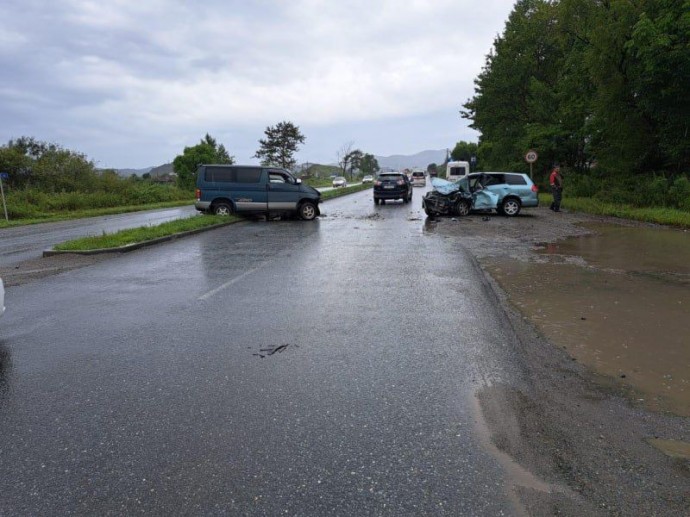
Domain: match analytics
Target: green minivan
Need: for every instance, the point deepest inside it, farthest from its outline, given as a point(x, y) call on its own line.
point(241, 189)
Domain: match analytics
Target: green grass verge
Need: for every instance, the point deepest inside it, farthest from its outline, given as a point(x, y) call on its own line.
point(148, 233)
point(337, 192)
point(667, 216)
point(143, 233)
point(93, 212)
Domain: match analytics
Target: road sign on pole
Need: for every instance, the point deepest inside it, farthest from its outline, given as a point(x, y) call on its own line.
point(530, 158)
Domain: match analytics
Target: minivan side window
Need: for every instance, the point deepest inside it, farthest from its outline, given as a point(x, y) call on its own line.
point(248, 175)
point(279, 177)
point(275, 177)
point(220, 174)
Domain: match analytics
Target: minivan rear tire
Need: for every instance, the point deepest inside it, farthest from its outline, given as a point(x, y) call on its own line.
point(222, 209)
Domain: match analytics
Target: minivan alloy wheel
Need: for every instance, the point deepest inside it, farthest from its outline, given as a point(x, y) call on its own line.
point(222, 209)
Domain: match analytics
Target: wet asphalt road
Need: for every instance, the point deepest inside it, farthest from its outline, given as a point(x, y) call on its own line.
point(28, 242)
point(322, 368)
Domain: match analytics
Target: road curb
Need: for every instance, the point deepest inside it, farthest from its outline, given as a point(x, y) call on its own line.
point(137, 245)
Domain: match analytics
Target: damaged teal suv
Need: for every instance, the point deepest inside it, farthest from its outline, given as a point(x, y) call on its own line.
point(514, 190)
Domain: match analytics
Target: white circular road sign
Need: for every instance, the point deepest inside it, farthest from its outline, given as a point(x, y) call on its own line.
point(531, 156)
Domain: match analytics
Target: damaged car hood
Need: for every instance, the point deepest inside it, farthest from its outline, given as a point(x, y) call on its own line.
point(481, 199)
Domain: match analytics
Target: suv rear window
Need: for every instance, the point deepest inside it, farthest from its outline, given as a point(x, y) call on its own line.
point(391, 176)
point(418, 174)
point(515, 179)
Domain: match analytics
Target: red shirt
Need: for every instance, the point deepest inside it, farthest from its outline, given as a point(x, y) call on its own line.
point(555, 178)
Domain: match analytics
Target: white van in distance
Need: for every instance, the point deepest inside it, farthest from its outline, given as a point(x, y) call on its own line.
point(457, 170)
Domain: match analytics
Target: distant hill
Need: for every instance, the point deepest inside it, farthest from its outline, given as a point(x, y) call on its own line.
point(421, 159)
point(126, 173)
point(161, 170)
point(395, 162)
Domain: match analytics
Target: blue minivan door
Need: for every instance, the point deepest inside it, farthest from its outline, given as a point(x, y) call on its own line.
point(249, 190)
point(283, 191)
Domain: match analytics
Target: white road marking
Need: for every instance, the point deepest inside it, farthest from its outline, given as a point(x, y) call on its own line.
point(230, 282)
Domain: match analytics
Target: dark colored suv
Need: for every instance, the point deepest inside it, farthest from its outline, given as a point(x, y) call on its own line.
point(392, 185)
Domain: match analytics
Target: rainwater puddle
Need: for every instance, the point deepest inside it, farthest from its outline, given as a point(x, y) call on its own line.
point(617, 301)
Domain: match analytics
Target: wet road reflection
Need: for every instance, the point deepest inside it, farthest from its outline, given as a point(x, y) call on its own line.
point(618, 301)
point(5, 371)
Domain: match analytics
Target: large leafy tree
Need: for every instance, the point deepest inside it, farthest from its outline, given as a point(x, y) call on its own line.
point(463, 151)
point(586, 81)
point(46, 166)
point(355, 160)
point(659, 48)
point(280, 145)
point(206, 151)
point(369, 164)
point(515, 106)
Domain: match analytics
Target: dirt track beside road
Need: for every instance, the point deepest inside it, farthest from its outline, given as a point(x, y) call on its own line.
point(573, 429)
point(35, 269)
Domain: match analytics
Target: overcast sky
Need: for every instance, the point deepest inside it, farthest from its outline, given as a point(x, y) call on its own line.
point(130, 83)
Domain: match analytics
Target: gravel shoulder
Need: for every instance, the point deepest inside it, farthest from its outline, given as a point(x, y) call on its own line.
point(35, 269)
point(574, 430)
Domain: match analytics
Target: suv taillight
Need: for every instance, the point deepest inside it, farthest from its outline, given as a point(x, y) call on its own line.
point(401, 182)
point(377, 183)
point(197, 193)
point(535, 188)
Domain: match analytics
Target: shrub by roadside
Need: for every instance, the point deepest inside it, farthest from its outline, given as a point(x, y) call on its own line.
point(35, 204)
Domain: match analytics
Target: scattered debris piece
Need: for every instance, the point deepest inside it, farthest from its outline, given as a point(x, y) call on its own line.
point(264, 352)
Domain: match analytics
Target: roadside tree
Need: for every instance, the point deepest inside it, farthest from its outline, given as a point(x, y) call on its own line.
point(369, 164)
point(280, 145)
point(206, 151)
point(463, 151)
point(350, 159)
point(46, 166)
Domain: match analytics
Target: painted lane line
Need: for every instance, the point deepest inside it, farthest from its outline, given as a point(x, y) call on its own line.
point(231, 282)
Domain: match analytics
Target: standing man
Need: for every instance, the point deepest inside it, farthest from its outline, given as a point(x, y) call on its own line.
point(556, 182)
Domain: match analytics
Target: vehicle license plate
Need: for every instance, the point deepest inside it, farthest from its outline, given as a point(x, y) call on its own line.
point(388, 186)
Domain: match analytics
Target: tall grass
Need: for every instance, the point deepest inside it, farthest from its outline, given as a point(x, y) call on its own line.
point(35, 204)
point(592, 205)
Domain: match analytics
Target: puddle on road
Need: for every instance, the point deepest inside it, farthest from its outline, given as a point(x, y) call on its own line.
point(672, 448)
point(617, 301)
point(655, 251)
